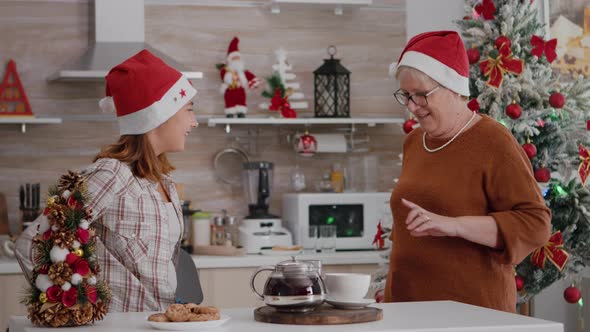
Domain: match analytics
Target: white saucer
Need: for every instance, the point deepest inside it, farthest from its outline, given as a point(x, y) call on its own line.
point(270, 252)
point(350, 304)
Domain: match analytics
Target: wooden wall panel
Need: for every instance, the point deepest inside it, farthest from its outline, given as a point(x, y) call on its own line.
point(43, 35)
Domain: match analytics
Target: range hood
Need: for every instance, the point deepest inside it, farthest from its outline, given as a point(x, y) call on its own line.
point(119, 28)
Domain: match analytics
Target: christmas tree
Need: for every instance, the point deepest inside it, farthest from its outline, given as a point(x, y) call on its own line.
point(512, 81)
point(283, 79)
point(65, 289)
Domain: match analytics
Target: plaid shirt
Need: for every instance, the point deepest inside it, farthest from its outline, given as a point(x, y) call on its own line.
point(133, 245)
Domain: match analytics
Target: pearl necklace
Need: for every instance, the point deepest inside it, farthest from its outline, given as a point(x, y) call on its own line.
point(449, 142)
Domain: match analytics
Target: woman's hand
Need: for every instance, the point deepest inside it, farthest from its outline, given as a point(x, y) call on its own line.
point(425, 223)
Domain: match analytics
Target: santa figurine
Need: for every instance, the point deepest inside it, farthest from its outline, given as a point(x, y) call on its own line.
point(235, 81)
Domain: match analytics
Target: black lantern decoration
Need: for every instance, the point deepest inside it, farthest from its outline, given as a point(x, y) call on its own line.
point(332, 88)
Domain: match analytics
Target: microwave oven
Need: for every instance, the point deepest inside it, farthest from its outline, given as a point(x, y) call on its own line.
point(356, 216)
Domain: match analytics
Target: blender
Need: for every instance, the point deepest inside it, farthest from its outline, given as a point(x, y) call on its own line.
point(260, 230)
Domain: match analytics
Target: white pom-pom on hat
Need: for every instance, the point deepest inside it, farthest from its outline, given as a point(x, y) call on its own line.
point(76, 278)
point(42, 282)
point(66, 286)
point(58, 254)
point(107, 105)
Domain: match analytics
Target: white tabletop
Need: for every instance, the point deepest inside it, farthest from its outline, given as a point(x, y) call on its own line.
point(440, 316)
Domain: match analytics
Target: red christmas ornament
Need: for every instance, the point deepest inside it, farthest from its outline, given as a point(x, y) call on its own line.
point(588, 124)
point(530, 150)
point(473, 55)
point(502, 40)
point(473, 105)
point(306, 145)
point(572, 294)
point(83, 235)
point(514, 111)
point(557, 100)
point(409, 125)
point(519, 282)
point(542, 175)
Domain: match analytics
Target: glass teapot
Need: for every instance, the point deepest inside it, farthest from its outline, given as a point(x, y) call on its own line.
point(293, 286)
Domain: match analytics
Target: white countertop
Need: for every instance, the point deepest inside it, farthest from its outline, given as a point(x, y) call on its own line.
point(440, 316)
point(10, 265)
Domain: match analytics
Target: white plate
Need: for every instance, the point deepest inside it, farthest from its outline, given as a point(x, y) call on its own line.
point(356, 304)
point(188, 326)
point(270, 252)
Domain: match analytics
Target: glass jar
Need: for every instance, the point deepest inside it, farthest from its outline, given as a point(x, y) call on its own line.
point(218, 231)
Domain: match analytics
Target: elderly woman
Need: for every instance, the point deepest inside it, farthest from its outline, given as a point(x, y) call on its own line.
point(467, 206)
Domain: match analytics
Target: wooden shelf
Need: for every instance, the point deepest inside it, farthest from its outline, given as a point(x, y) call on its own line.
point(24, 120)
point(371, 122)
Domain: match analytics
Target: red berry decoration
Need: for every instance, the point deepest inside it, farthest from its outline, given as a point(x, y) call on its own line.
point(473, 55)
point(474, 105)
point(557, 100)
point(409, 125)
point(519, 282)
point(530, 150)
point(514, 111)
point(542, 175)
point(502, 40)
point(572, 294)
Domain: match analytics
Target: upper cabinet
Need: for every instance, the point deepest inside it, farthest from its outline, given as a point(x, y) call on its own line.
point(338, 6)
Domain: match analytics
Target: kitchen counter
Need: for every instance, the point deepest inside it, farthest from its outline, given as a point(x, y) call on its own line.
point(10, 265)
point(441, 316)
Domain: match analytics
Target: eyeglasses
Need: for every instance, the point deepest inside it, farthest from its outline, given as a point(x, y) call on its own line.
point(419, 99)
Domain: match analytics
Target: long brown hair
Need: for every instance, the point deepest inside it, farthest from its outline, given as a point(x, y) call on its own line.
point(137, 152)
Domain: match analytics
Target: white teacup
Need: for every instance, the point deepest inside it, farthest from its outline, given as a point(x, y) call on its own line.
point(6, 246)
point(347, 287)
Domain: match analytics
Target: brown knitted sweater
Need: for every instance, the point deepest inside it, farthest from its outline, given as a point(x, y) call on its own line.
point(483, 172)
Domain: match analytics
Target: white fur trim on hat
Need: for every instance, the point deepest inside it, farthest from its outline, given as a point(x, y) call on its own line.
point(392, 68)
point(437, 70)
point(107, 105)
point(142, 121)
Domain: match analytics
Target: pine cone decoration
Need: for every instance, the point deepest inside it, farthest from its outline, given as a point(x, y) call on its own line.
point(34, 315)
point(59, 273)
point(70, 181)
point(61, 317)
point(64, 238)
point(82, 315)
point(57, 217)
point(100, 310)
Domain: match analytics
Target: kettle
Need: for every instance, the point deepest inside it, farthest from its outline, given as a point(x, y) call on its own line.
point(293, 286)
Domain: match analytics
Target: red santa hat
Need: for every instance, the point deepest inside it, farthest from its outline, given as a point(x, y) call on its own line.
point(233, 48)
point(440, 55)
point(145, 92)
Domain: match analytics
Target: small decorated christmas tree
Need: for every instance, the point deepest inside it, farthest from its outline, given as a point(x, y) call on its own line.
point(66, 290)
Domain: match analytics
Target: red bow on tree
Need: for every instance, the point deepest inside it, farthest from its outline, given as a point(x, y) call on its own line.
point(540, 46)
point(379, 237)
point(280, 103)
point(486, 9)
point(552, 251)
point(504, 62)
point(584, 168)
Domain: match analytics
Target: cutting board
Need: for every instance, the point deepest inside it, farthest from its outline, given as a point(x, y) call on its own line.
point(4, 226)
point(323, 315)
